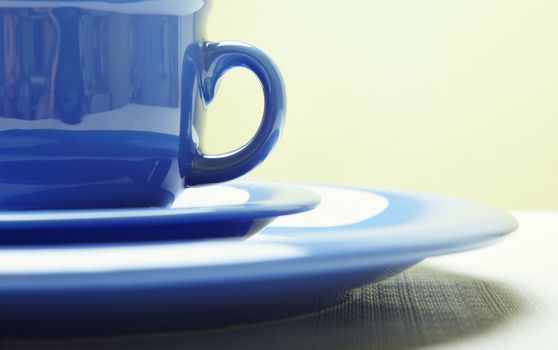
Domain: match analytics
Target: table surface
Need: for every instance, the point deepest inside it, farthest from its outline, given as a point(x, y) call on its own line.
point(501, 297)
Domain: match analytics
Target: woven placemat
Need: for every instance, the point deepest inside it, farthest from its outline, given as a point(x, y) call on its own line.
point(424, 306)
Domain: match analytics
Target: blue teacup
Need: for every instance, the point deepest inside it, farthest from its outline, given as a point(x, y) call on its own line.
point(101, 103)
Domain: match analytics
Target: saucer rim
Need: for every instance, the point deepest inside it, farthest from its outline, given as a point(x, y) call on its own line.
point(282, 199)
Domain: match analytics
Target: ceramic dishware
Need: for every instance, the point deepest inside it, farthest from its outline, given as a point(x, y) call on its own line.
point(101, 103)
point(299, 263)
point(232, 210)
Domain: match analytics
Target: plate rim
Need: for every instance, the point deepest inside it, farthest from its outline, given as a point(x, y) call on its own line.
point(385, 250)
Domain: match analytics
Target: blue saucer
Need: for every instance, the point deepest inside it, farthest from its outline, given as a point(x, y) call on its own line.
point(220, 211)
point(354, 237)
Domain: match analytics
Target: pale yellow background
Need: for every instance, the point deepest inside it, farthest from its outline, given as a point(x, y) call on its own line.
point(456, 97)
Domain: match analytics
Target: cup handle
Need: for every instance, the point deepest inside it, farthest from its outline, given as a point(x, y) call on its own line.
point(217, 59)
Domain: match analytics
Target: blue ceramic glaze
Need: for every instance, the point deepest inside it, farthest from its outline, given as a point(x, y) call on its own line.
point(261, 203)
point(300, 262)
point(101, 102)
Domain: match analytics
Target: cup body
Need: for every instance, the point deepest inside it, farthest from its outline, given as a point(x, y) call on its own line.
point(99, 105)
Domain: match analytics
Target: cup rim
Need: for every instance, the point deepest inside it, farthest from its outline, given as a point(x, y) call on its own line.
point(160, 7)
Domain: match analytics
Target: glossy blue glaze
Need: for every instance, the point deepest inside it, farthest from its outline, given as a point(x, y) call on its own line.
point(352, 238)
point(101, 103)
point(229, 219)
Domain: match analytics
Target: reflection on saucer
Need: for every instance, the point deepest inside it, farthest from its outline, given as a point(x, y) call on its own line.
point(211, 196)
point(339, 207)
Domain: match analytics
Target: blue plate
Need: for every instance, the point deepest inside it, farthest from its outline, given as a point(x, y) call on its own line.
point(231, 210)
point(302, 262)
